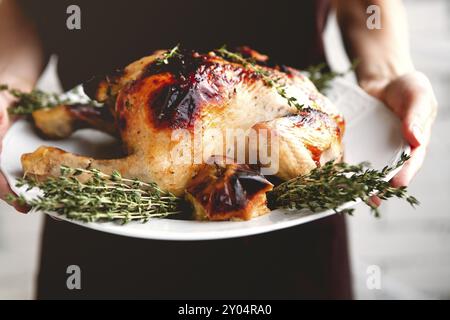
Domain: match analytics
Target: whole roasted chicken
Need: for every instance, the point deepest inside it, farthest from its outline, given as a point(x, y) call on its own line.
point(165, 105)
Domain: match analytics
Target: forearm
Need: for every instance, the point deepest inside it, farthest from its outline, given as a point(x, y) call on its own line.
point(383, 54)
point(21, 54)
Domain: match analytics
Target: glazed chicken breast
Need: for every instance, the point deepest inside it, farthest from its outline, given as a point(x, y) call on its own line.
point(161, 110)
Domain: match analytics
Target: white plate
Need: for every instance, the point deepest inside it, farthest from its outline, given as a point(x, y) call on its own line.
point(372, 134)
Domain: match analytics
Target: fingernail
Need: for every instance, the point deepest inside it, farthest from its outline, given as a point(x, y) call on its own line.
point(417, 132)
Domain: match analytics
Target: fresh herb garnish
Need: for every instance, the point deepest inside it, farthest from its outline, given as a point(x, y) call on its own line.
point(265, 75)
point(321, 77)
point(318, 74)
point(334, 184)
point(174, 52)
point(104, 197)
point(27, 103)
point(101, 197)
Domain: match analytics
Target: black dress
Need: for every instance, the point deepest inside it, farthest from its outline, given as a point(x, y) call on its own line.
point(308, 261)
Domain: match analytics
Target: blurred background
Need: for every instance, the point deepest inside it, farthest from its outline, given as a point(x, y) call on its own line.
point(411, 247)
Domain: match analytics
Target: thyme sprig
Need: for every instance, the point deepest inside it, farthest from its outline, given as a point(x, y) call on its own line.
point(334, 184)
point(174, 52)
point(27, 103)
point(267, 77)
point(321, 77)
point(102, 197)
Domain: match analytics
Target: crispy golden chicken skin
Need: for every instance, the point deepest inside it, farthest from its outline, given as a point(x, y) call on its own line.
point(305, 140)
point(61, 121)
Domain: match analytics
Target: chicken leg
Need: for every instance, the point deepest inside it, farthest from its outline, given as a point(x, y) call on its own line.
point(61, 121)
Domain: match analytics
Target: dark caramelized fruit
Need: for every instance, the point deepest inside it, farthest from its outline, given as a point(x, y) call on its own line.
point(222, 191)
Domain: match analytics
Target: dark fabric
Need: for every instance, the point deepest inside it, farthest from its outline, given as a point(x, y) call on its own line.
point(304, 262)
point(308, 261)
point(114, 33)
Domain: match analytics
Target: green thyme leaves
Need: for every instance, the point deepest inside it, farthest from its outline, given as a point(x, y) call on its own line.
point(334, 184)
point(27, 103)
point(268, 79)
point(98, 197)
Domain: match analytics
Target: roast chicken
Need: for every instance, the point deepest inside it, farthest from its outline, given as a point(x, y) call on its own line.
point(157, 107)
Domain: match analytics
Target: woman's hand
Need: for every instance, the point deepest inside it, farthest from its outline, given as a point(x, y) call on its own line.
point(21, 63)
point(387, 72)
point(5, 189)
point(412, 99)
